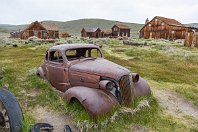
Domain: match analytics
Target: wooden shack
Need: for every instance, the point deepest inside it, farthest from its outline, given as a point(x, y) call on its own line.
point(108, 33)
point(64, 35)
point(120, 30)
point(163, 28)
point(41, 30)
point(92, 32)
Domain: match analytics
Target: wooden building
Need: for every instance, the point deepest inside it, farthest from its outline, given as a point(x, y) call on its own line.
point(64, 35)
point(108, 33)
point(41, 30)
point(164, 28)
point(92, 32)
point(120, 30)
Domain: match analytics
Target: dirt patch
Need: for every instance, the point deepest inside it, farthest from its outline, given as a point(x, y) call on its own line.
point(32, 93)
point(176, 104)
point(58, 120)
point(178, 107)
point(139, 128)
point(6, 61)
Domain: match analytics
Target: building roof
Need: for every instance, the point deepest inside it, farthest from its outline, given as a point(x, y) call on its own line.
point(91, 29)
point(108, 32)
point(122, 26)
point(169, 21)
point(47, 26)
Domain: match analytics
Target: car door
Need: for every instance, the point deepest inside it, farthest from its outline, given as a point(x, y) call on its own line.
point(57, 71)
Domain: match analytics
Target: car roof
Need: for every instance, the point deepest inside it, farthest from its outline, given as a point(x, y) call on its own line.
point(64, 47)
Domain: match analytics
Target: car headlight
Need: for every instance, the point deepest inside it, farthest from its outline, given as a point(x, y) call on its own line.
point(110, 86)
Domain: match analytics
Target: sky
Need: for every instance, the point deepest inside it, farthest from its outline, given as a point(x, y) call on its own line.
point(133, 11)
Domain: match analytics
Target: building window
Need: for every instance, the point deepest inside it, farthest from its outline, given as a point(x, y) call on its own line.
point(36, 33)
point(44, 34)
point(122, 34)
point(156, 21)
point(115, 29)
point(162, 25)
point(149, 27)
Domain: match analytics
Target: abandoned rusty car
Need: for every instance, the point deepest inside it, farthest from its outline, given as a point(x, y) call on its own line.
point(80, 72)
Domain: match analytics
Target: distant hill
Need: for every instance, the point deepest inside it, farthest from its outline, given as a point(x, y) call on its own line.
point(192, 25)
point(74, 27)
point(6, 28)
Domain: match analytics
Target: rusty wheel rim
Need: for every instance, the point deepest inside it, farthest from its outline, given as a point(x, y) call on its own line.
point(5, 124)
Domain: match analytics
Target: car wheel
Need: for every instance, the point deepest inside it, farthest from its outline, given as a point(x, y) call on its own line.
point(11, 117)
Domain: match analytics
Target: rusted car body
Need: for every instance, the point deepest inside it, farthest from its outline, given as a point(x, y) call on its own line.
point(81, 72)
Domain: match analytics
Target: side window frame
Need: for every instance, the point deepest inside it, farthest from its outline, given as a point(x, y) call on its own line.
point(47, 56)
point(98, 52)
point(54, 62)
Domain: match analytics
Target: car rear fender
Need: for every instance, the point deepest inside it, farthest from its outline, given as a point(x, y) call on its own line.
point(95, 101)
point(141, 88)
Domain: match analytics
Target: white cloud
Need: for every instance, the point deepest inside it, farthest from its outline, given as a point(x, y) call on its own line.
point(26, 11)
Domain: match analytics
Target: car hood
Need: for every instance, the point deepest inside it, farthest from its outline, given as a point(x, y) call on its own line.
point(101, 67)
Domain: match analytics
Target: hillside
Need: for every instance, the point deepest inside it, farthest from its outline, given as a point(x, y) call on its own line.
point(6, 28)
point(74, 27)
point(192, 25)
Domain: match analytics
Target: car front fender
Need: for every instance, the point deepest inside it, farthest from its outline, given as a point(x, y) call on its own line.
point(95, 101)
point(141, 88)
point(40, 73)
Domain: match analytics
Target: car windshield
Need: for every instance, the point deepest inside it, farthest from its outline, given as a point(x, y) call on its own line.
point(81, 53)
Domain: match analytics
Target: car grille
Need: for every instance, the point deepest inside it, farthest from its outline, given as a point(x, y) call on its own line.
point(126, 88)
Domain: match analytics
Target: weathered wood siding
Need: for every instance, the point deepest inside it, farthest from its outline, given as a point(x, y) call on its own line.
point(195, 39)
point(158, 29)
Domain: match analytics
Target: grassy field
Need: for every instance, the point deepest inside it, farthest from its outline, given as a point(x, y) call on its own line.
point(167, 65)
